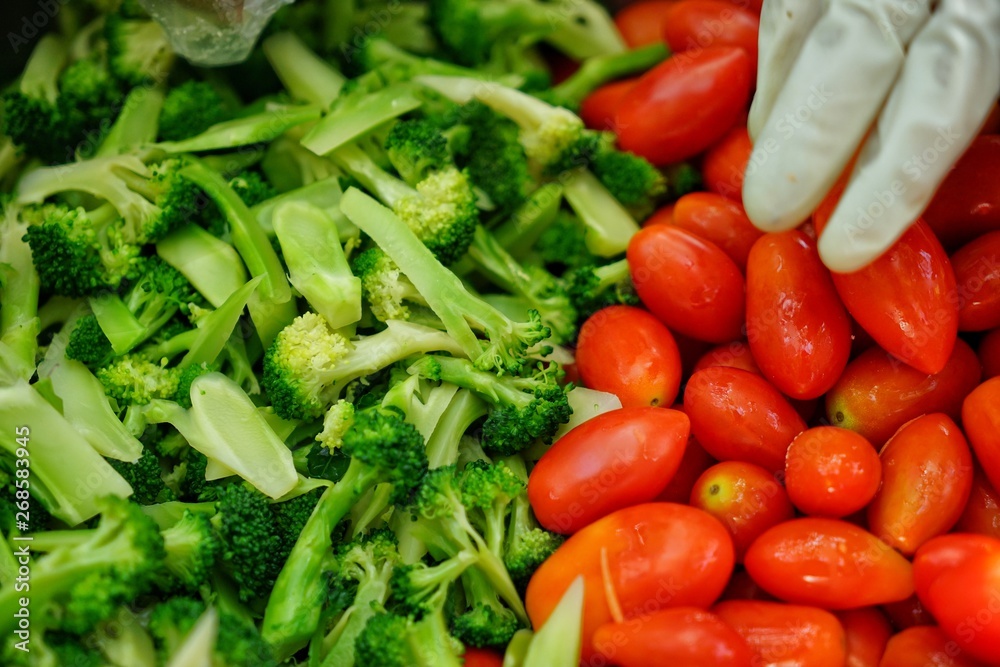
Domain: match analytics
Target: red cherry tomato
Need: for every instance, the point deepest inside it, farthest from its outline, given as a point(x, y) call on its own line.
point(687, 282)
point(685, 104)
point(626, 351)
point(725, 164)
point(598, 109)
point(926, 480)
point(867, 631)
point(641, 23)
point(977, 274)
point(685, 636)
point(479, 657)
point(965, 601)
point(735, 355)
point(946, 553)
point(877, 394)
point(981, 419)
point(989, 354)
point(982, 512)
point(828, 563)
point(697, 24)
point(739, 416)
point(831, 472)
point(925, 646)
point(658, 555)
point(744, 497)
point(798, 329)
point(785, 635)
point(967, 204)
point(719, 220)
point(617, 459)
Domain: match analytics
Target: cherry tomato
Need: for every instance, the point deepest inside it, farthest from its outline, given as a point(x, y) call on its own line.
point(925, 646)
point(641, 23)
point(982, 512)
point(735, 355)
point(907, 613)
point(687, 282)
point(598, 109)
point(981, 419)
point(745, 498)
point(797, 327)
point(719, 220)
point(686, 636)
point(697, 24)
point(685, 104)
point(967, 204)
point(965, 601)
point(877, 394)
point(831, 472)
point(658, 555)
point(989, 354)
point(926, 481)
point(694, 462)
point(977, 274)
point(739, 416)
point(946, 553)
point(785, 635)
point(479, 657)
point(614, 460)
point(867, 631)
point(828, 563)
point(626, 351)
point(725, 164)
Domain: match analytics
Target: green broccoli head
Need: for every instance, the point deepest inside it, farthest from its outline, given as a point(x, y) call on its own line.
point(383, 285)
point(146, 479)
point(444, 215)
point(138, 50)
point(134, 380)
point(171, 620)
point(512, 428)
point(383, 643)
point(497, 162)
point(192, 548)
point(417, 148)
point(632, 180)
point(190, 109)
point(253, 550)
point(88, 344)
point(486, 625)
point(592, 288)
point(527, 549)
point(380, 439)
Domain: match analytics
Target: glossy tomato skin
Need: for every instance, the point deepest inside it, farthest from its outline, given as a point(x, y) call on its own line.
point(876, 394)
point(925, 646)
point(828, 563)
point(966, 603)
point(739, 416)
point(867, 631)
point(685, 104)
point(617, 459)
point(946, 553)
point(480, 657)
point(989, 354)
point(641, 23)
point(659, 556)
point(785, 635)
point(689, 283)
point(599, 108)
point(981, 420)
point(977, 274)
point(831, 472)
point(626, 351)
point(685, 636)
point(724, 165)
point(967, 204)
point(744, 497)
point(719, 220)
point(982, 512)
point(798, 329)
point(735, 354)
point(926, 481)
point(696, 24)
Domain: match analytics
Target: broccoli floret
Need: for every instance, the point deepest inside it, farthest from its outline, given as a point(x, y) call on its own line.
point(337, 420)
point(146, 479)
point(253, 548)
point(138, 50)
point(390, 640)
point(488, 489)
point(470, 30)
point(135, 380)
point(170, 622)
point(486, 621)
point(563, 245)
point(497, 162)
point(444, 292)
point(417, 148)
point(527, 545)
point(190, 109)
point(88, 344)
point(237, 644)
point(192, 547)
point(389, 61)
point(594, 287)
point(632, 180)
point(88, 573)
point(251, 187)
point(387, 291)
point(383, 449)
point(524, 409)
point(185, 377)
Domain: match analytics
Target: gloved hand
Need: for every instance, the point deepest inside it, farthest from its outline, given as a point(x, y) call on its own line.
point(925, 72)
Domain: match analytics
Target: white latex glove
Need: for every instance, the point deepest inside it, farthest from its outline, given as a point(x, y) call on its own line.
point(924, 72)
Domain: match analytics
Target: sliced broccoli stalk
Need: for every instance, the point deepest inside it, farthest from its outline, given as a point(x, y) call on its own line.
point(599, 70)
point(225, 425)
point(258, 128)
point(138, 50)
point(526, 545)
point(136, 124)
point(210, 264)
point(465, 409)
point(60, 456)
point(19, 289)
point(190, 636)
point(558, 643)
point(324, 193)
point(10, 159)
point(289, 165)
point(317, 265)
point(521, 230)
point(383, 448)
point(347, 122)
point(189, 109)
point(609, 224)
point(443, 290)
point(585, 30)
point(306, 76)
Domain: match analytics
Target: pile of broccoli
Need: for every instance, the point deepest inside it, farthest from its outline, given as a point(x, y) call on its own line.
point(287, 337)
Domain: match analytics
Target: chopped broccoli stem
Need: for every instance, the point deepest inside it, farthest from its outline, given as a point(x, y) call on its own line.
point(249, 130)
point(609, 224)
point(558, 642)
point(519, 232)
point(19, 289)
point(136, 124)
point(347, 123)
point(306, 76)
point(211, 265)
point(598, 70)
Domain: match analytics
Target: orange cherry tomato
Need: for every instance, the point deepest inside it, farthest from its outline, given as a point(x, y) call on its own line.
point(831, 472)
point(658, 556)
point(965, 600)
point(745, 498)
point(946, 553)
point(480, 657)
point(967, 203)
point(698, 24)
point(785, 635)
point(598, 109)
point(641, 23)
point(725, 164)
point(926, 481)
point(867, 631)
point(797, 327)
point(877, 393)
point(739, 416)
point(685, 104)
point(982, 512)
point(735, 355)
point(686, 636)
point(617, 459)
point(719, 220)
point(989, 354)
point(977, 274)
point(689, 283)
point(694, 462)
point(626, 351)
point(925, 646)
point(828, 563)
point(981, 420)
